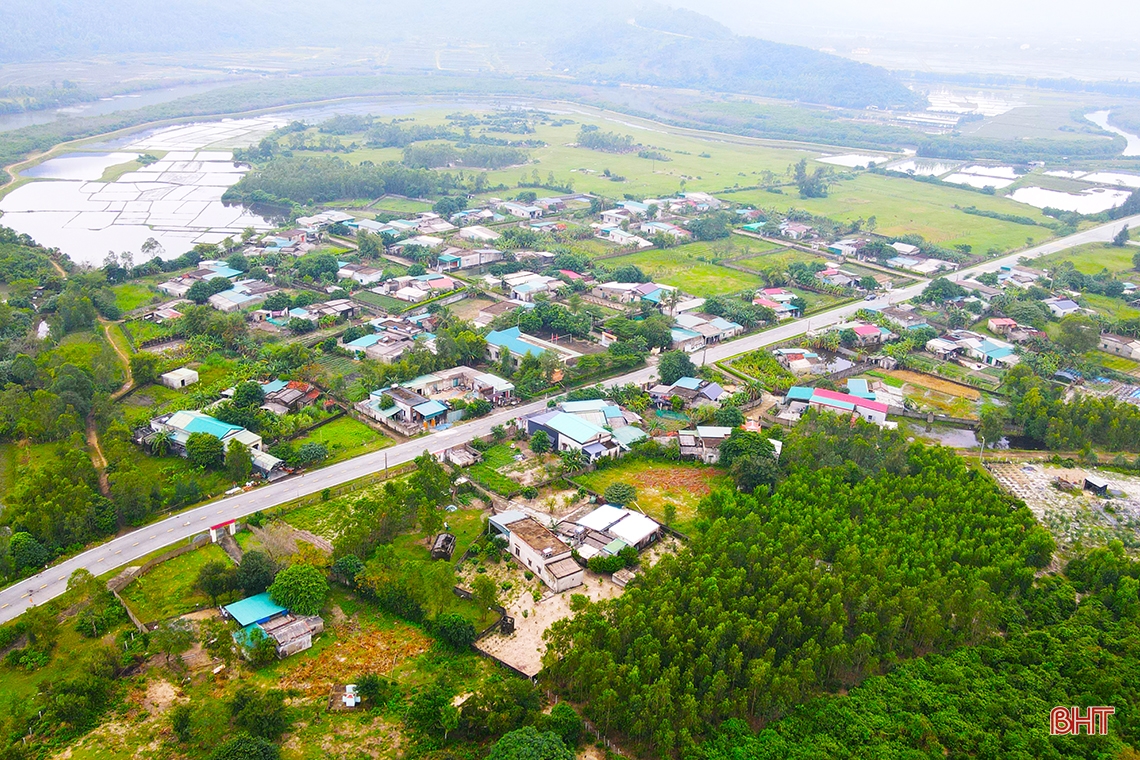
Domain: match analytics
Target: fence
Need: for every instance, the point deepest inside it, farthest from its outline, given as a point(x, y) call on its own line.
point(126, 578)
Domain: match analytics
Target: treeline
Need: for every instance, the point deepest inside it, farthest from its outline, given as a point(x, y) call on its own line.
point(991, 700)
point(1017, 151)
point(1074, 425)
point(319, 179)
point(432, 155)
point(593, 138)
point(871, 551)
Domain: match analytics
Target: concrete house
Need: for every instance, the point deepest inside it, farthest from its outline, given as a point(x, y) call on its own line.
point(569, 432)
point(179, 378)
point(543, 553)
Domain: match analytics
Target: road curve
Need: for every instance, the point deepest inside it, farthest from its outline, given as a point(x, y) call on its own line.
point(127, 548)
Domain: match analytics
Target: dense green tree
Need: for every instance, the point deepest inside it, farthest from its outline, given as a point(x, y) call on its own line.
point(205, 450)
point(255, 573)
point(1078, 333)
point(302, 589)
point(216, 578)
point(528, 744)
point(674, 365)
point(248, 393)
point(260, 713)
point(620, 494)
point(239, 462)
point(940, 290)
point(144, 367)
point(540, 442)
point(455, 630)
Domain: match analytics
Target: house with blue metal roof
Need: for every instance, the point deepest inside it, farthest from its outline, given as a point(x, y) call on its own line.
point(182, 424)
point(569, 432)
point(518, 344)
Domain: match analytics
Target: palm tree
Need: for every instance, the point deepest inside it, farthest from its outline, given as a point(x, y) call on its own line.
point(160, 442)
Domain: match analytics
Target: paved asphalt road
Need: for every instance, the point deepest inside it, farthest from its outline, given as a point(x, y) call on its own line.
point(127, 548)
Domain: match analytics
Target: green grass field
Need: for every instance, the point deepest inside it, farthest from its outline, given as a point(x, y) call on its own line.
point(486, 473)
point(168, 589)
point(1112, 361)
point(345, 438)
point(681, 268)
point(130, 296)
point(658, 483)
point(389, 304)
point(902, 206)
point(1113, 308)
point(1092, 258)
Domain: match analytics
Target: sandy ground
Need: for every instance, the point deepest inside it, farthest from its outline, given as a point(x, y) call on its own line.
point(1074, 515)
point(523, 649)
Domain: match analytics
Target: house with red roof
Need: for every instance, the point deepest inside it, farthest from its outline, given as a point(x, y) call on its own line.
point(799, 398)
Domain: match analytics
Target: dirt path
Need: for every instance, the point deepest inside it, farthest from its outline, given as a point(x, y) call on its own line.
point(107, 325)
point(98, 459)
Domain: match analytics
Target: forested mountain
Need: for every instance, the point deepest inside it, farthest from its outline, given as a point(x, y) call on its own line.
point(623, 41)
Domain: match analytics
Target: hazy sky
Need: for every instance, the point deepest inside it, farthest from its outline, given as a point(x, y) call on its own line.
point(1089, 38)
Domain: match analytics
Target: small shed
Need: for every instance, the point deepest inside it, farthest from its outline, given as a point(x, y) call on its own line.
point(179, 378)
point(1096, 484)
point(443, 547)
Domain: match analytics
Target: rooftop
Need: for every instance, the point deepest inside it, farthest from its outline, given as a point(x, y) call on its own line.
point(254, 609)
point(537, 537)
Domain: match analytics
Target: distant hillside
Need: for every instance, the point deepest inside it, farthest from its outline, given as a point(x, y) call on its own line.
point(620, 40)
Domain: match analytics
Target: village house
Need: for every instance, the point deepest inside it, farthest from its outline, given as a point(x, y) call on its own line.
point(462, 381)
point(402, 409)
point(795, 230)
point(711, 329)
point(906, 318)
point(798, 361)
point(243, 295)
point(365, 275)
point(458, 258)
point(521, 210)
point(1119, 346)
point(179, 378)
point(799, 398)
point(479, 234)
point(418, 288)
point(620, 524)
point(539, 550)
point(1062, 307)
point(665, 228)
point(984, 349)
point(569, 432)
point(518, 344)
point(691, 390)
point(290, 633)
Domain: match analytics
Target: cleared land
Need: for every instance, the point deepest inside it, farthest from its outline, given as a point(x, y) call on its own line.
point(659, 483)
point(682, 268)
point(345, 438)
point(926, 381)
point(168, 590)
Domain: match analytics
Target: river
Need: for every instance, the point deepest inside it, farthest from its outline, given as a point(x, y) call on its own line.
point(1100, 118)
point(129, 102)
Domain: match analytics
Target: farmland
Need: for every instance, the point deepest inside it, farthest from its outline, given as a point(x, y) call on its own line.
point(660, 483)
point(1092, 259)
point(904, 206)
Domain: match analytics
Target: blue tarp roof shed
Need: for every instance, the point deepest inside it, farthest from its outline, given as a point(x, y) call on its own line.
point(254, 609)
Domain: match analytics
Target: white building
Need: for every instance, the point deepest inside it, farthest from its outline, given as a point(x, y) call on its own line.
point(179, 378)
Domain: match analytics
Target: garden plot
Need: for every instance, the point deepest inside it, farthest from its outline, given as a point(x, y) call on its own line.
point(1075, 515)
